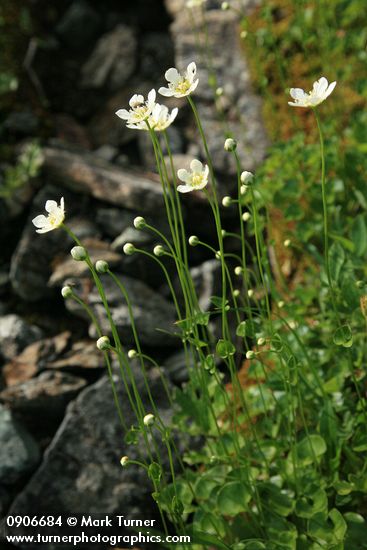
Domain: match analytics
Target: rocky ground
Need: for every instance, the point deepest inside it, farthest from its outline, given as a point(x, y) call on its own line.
point(60, 438)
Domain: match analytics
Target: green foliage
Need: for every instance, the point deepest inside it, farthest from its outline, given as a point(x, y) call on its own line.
point(26, 168)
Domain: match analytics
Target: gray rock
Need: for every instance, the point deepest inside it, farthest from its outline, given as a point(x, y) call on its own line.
point(79, 25)
point(83, 460)
point(47, 394)
point(112, 61)
point(16, 334)
point(31, 263)
point(156, 53)
point(19, 453)
point(106, 152)
point(240, 106)
point(83, 173)
point(21, 123)
point(207, 279)
point(113, 221)
point(152, 313)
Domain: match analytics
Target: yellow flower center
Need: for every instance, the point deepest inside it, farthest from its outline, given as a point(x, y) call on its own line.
point(183, 86)
point(197, 179)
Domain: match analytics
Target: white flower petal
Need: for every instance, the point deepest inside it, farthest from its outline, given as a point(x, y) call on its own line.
point(123, 113)
point(184, 188)
point(320, 86)
point(151, 97)
point(45, 229)
point(330, 89)
point(196, 166)
point(194, 86)
point(183, 174)
point(51, 206)
point(172, 75)
point(166, 92)
point(191, 71)
point(297, 93)
point(39, 221)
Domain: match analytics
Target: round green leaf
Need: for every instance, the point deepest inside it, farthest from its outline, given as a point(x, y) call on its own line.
point(233, 498)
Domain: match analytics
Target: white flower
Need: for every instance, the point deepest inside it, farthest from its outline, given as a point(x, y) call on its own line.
point(320, 91)
point(194, 180)
point(140, 110)
point(56, 215)
point(158, 120)
point(195, 3)
point(178, 85)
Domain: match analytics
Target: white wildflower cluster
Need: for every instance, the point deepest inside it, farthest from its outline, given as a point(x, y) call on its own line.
point(146, 114)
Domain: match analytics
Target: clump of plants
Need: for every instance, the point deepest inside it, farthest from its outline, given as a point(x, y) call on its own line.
point(279, 403)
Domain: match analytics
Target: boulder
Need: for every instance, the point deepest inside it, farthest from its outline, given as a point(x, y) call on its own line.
point(19, 453)
point(154, 316)
point(16, 334)
point(85, 174)
point(44, 396)
point(79, 25)
point(83, 459)
point(112, 60)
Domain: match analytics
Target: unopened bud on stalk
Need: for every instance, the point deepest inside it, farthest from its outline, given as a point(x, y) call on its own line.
point(224, 233)
point(281, 304)
point(225, 6)
point(250, 354)
point(226, 201)
point(193, 240)
point(246, 177)
point(243, 34)
point(66, 292)
point(236, 293)
point(158, 250)
point(102, 266)
point(132, 353)
point(129, 249)
point(246, 216)
point(243, 189)
point(287, 243)
point(230, 144)
point(219, 91)
point(124, 461)
point(139, 222)
point(360, 284)
point(148, 419)
point(261, 341)
point(79, 253)
point(218, 255)
point(238, 270)
point(250, 293)
point(103, 343)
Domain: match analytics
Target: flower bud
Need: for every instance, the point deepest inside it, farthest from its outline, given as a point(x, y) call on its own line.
point(281, 304)
point(124, 461)
point(360, 284)
point(225, 6)
point(243, 189)
point(129, 249)
point(193, 240)
point(219, 91)
point(103, 343)
point(243, 34)
point(158, 250)
point(226, 201)
point(246, 177)
point(230, 144)
point(66, 292)
point(132, 353)
point(250, 354)
point(223, 233)
point(139, 222)
point(218, 255)
point(250, 293)
point(287, 243)
point(236, 293)
point(246, 216)
point(238, 270)
point(102, 266)
point(79, 253)
point(261, 341)
point(149, 419)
